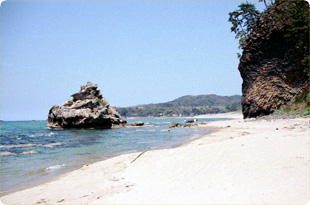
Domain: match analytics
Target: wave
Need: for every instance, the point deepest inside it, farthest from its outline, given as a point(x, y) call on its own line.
point(50, 134)
point(159, 123)
point(52, 144)
point(42, 135)
point(18, 145)
point(6, 153)
point(29, 152)
point(30, 145)
point(145, 130)
point(195, 136)
point(35, 135)
point(53, 167)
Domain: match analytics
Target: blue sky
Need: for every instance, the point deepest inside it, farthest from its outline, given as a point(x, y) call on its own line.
point(138, 52)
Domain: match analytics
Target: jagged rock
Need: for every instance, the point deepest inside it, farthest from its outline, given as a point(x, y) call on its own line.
point(271, 75)
point(88, 109)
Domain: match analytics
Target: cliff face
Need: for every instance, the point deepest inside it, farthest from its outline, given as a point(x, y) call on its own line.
point(270, 67)
point(88, 109)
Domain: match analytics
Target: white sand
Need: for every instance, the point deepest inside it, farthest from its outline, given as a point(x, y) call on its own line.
point(252, 162)
point(231, 115)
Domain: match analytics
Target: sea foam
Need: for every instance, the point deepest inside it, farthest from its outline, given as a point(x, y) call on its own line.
point(53, 167)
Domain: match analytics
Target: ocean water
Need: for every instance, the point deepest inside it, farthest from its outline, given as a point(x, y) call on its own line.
point(35, 153)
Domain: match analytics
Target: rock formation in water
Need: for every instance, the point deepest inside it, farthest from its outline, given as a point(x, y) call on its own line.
point(271, 64)
point(88, 109)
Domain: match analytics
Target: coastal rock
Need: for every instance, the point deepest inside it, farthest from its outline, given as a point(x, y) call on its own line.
point(88, 109)
point(139, 123)
point(176, 124)
point(144, 125)
point(271, 71)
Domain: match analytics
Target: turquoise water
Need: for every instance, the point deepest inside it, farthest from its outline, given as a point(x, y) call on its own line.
point(61, 151)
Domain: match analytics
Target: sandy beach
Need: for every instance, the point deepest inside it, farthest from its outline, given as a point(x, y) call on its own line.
point(243, 161)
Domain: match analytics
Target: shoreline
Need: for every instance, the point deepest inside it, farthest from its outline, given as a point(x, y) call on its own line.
point(76, 167)
point(231, 115)
point(222, 164)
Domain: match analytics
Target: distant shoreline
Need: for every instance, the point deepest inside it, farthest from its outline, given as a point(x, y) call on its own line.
point(23, 120)
point(230, 115)
point(217, 115)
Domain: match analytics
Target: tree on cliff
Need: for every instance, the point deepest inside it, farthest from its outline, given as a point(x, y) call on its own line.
point(266, 4)
point(274, 59)
point(243, 21)
point(297, 13)
point(295, 16)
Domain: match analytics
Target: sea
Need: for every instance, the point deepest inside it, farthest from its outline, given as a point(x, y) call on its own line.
point(32, 154)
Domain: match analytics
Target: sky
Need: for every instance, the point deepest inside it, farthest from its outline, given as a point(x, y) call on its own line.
point(138, 52)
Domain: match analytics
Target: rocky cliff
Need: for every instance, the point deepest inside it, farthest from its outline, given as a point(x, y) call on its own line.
point(88, 109)
point(271, 63)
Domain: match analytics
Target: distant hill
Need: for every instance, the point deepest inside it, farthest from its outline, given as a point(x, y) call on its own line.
point(202, 100)
point(185, 106)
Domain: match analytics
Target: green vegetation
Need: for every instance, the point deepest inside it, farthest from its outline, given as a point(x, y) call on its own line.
point(268, 4)
point(298, 29)
point(299, 106)
point(101, 102)
point(185, 106)
point(296, 17)
point(295, 14)
point(308, 103)
point(243, 21)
